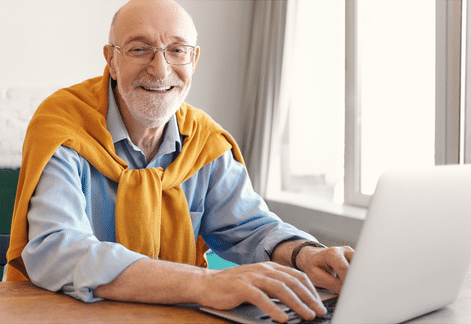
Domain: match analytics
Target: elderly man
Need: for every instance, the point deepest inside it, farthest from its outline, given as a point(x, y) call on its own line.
point(124, 186)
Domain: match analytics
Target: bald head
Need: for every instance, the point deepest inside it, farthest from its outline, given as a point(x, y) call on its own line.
point(153, 12)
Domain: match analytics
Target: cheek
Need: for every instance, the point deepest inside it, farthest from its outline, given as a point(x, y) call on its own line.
point(186, 76)
point(184, 73)
point(125, 77)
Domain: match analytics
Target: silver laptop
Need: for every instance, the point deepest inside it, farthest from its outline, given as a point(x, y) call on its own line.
point(413, 252)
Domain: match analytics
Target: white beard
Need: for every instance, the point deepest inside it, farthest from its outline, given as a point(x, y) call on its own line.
point(153, 109)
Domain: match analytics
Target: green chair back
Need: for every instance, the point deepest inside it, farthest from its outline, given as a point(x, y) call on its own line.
point(8, 184)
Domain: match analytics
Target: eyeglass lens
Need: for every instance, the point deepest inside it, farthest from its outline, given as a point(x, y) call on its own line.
point(144, 54)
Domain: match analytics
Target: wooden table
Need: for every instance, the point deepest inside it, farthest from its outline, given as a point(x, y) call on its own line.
point(21, 302)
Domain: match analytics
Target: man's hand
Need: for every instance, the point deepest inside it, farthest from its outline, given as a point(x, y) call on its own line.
point(326, 268)
point(256, 284)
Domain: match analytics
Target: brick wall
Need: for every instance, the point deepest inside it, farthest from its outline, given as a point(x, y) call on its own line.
point(17, 106)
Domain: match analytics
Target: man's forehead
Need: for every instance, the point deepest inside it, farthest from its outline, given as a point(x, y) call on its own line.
point(152, 20)
point(151, 36)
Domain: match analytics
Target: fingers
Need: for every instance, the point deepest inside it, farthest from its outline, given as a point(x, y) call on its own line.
point(328, 268)
point(272, 309)
point(294, 289)
point(257, 283)
point(326, 279)
point(339, 262)
point(260, 299)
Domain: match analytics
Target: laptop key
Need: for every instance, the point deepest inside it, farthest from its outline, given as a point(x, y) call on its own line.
point(292, 317)
point(330, 305)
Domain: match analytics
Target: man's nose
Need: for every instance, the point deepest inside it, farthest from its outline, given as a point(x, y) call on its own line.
point(159, 67)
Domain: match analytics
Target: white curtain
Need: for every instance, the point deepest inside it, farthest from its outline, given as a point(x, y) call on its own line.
point(263, 99)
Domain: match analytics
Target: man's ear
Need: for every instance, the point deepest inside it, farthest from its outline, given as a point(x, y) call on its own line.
point(196, 58)
point(108, 52)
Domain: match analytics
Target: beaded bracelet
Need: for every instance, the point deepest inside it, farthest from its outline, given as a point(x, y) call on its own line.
point(298, 249)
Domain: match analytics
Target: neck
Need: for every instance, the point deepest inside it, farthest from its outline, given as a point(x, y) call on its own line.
point(146, 138)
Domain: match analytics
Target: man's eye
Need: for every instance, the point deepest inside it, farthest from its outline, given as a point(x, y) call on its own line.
point(178, 50)
point(139, 50)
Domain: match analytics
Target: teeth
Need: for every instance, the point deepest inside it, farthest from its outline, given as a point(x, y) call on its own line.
point(158, 89)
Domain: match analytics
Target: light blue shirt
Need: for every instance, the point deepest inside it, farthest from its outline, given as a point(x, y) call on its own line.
point(72, 244)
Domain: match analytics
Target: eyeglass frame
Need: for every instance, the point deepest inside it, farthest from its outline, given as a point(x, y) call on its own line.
point(120, 49)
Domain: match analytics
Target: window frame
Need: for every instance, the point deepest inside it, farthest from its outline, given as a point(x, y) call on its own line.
point(449, 133)
point(447, 98)
point(466, 79)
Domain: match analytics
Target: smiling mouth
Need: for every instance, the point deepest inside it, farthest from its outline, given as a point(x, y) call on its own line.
point(163, 89)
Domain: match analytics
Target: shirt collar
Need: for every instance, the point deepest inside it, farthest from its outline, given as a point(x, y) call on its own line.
point(115, 125)
point(114, 121)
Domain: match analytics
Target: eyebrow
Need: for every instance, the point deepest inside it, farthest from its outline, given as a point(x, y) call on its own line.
point(147, 40)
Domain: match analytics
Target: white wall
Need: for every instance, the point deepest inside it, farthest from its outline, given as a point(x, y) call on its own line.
point(223, 35)
point(49, 44)
point(45, 45)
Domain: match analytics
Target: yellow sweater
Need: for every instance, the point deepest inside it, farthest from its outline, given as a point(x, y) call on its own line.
point(152, 215)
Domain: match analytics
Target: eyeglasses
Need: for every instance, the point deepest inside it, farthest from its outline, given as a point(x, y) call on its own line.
point(144, 54)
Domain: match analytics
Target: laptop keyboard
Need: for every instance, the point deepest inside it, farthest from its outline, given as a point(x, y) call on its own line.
point(294, 318)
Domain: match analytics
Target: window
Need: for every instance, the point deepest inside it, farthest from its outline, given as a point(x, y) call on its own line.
point(314, 125)
point(373, 85)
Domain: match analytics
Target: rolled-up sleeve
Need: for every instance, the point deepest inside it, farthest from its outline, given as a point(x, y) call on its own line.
point(236, 223)
point(63, 252)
